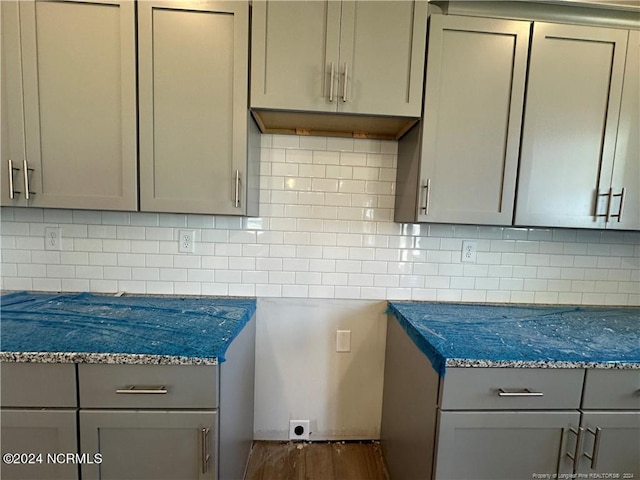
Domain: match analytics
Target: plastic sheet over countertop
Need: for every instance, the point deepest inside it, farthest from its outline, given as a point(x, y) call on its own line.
point(198, 327)
point(522, 335)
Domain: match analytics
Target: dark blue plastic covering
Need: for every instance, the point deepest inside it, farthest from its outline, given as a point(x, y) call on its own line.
point(197, 327)
point(444, 331)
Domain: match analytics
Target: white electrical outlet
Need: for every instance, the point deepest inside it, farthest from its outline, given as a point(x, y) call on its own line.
point(469, 251)
point(186, 239)
point(299, 430)
point(52, 238)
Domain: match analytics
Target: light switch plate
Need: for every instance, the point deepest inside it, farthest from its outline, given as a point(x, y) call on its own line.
point(343, 340)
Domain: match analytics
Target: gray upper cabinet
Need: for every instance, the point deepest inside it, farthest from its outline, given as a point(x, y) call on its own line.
point(194, 122)
point(460, 164)
point(624, 208)
point(12, 122)
point(73, 69)
point(349, 57)
point(294, 47)
point(570, 124)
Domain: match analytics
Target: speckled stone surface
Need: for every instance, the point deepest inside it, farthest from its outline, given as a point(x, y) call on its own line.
point(466, 335)
point(86, 328)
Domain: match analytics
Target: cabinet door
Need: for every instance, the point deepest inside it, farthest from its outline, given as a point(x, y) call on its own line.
point(40, 432)
point(465, 170)
point(503, 445)
point(626, 167)
point(12, 122)
point(79, 81)
point(382, 57)
point(570, 122)
point(150, 445)
point(617, 446)
point(294, 51)
point(193, 67)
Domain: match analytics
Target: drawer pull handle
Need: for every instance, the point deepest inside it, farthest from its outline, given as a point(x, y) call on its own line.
point(525, 392)
point(135, 390)
point(596, 447)
point(205, 450)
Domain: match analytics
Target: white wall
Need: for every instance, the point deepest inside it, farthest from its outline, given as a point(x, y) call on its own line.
point(325, 231)
point(300, 376)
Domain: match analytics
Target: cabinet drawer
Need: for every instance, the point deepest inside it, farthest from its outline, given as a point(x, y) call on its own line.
point(148, 386)
point(612, 389)
point(522, 388)
point(38, 385)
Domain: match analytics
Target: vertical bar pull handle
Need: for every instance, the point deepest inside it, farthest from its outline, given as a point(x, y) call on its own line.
point(12, 190)
point(596, 447)
point(331, 80)
point(236, 200)
point(562, 433)
point(427, 194)
point(205, 450)
point(610, 195)
point(621, 195)
point(26, 179)
point(346, 79)
point(607, 215)
point(575, 457)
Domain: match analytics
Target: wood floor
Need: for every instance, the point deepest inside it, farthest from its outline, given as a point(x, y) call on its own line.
point(316, 461)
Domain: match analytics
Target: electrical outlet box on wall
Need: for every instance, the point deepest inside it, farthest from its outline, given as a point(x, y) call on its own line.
point(299, 430)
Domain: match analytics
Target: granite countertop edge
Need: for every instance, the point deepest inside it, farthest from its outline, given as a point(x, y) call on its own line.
point(441, 362)
point(103, 358)
point(472, 363)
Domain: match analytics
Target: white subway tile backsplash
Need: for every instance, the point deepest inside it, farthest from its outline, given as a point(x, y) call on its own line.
point(325, 231)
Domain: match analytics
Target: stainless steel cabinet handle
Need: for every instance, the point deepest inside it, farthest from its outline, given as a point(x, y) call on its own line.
point(147, 390)
point(427, 194)
point(596, 447)
point(562, 433)
point(205, 450)
point(333, 72)
point(346, 79)
point(12, 190)
point(26, 179)
point(575, 456)
point(236, 200)
point(523, 392)
point(621, 195)
point(595, 210)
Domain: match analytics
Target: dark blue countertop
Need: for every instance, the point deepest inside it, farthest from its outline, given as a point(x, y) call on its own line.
point(128, 329)
point(466, 335)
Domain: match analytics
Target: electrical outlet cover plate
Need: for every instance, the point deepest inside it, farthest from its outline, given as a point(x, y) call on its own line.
point(299, 430)
point(52, 238)
point(469, 251)
point(186, 240)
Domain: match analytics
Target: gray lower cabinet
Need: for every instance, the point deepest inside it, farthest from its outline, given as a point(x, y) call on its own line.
point(38, 421)
point(150, 445)
point(610, 443)
point(38, 441)
point(505, 423)
point(610, 427)
point(132, 421)
point(503, 445)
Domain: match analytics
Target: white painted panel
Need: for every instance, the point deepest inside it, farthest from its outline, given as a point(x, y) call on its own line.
point(299, 375)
